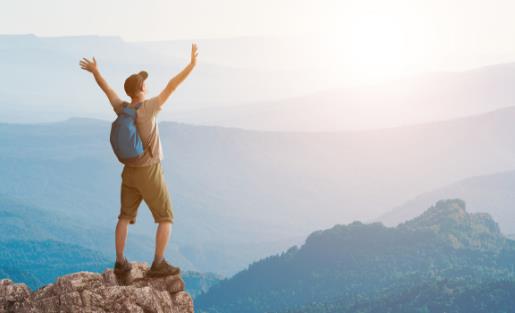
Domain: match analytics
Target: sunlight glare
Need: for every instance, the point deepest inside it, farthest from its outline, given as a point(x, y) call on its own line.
point(371, 47)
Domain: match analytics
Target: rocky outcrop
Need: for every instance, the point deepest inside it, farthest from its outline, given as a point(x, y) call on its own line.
point(450, 221)
point(87, 292)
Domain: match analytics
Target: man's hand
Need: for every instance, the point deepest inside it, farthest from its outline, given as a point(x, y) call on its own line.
point(194, 54)
point(179, 78)
point(89, 65)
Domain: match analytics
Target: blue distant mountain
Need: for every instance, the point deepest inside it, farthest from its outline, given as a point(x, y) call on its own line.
point(67, 171)
point(264, 189)
point(37, 246)
point(37, 263)
point(27, 222)
point(45, 82)
point(409, 101)
point(493, 192)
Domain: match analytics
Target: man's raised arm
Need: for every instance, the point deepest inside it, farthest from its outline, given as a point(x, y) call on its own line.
point(91, 66)
point(179, 78)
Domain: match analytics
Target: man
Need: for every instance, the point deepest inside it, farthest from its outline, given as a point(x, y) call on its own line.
point(142, 178)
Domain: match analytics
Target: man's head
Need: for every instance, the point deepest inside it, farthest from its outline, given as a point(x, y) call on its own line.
point(135, 84)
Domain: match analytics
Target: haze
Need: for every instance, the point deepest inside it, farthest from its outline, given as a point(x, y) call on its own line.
point(354, 41)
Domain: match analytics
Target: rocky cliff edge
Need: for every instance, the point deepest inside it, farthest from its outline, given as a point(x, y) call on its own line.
point(86, 292)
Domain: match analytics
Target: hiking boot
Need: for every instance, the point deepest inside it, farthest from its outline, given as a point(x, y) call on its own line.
point(122, 268)
point(162, 269)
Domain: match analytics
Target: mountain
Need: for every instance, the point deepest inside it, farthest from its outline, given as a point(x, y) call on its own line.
point(255, 83)
point(413, 100)
point(93, 292)
point(450, 221)
point(38, 246)
point(491, 193)
point(351, 263)
point(77, 188)
point(261, 188)
point(198, 283)
point(37, 263)
point(25, 223)
point(46, 84)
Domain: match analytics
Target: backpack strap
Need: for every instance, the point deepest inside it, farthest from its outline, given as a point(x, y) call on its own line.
point(148, 148)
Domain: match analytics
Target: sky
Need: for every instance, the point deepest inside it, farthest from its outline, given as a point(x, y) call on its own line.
point(371, 37)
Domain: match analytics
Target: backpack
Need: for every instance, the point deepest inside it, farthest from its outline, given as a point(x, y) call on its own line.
point(125, 140)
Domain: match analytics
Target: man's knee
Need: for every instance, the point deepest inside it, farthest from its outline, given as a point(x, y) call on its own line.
point(126, 218)
point(163, 220)
point(164, 225)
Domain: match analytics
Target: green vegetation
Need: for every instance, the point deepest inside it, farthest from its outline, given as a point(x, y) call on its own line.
point(40, 262)
point(354, 267)
point(455, 296)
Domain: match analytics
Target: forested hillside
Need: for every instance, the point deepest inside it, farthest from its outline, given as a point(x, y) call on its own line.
point(356, 262)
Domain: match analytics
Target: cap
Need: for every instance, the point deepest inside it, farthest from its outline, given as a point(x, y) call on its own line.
point(133, 84)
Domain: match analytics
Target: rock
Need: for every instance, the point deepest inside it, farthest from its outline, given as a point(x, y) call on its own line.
point(86, 292)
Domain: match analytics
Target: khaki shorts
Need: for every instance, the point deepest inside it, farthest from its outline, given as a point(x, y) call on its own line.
point(145, 183)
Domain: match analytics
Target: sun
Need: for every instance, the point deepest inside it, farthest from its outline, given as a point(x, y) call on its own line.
point(377, 48)
point(370, 48)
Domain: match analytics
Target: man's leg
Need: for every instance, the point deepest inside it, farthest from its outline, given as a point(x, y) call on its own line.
point(120, 237)
point(162, 237)
point(130, 199)
point(156, 195)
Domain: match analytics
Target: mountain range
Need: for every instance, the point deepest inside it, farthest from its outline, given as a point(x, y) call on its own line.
point(262, 188)
point(259, 153)
point(257, 83)
point(46, 84)
point(406, 101)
